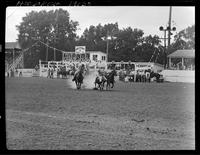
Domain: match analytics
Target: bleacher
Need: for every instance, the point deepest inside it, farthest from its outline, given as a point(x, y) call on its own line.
point(13, 56)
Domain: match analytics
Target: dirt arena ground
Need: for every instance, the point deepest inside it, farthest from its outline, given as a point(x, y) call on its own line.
point(46, 114)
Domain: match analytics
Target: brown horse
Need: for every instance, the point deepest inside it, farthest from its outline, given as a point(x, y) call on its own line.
point(78, 78)
point(110, 79)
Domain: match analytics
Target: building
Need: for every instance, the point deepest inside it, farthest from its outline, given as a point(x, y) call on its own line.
point(92, 56)
point(12, 46)
point(13, 55)
point(182, 60)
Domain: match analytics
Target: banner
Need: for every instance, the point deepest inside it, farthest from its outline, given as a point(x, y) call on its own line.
point(80, 49)
point(43, 72)
point(25, 72)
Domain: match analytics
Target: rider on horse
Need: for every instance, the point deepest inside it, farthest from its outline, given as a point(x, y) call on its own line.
point(101, 75)
point(80, 70)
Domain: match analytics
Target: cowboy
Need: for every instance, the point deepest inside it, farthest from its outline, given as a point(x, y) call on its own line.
point(48, 73)
point(101, 74)
point(147, 73)
point(80, 70)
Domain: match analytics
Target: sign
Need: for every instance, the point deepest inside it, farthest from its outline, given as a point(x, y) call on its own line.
point(143, 66)
point(80, 49)
point(26, 72)
point(43, 72)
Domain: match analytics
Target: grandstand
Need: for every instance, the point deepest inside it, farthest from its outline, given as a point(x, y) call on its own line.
point(13, 56)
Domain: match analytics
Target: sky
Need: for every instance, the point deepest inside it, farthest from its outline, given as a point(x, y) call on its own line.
point(146, 18)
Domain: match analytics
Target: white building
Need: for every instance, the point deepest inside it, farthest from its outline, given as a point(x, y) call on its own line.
point(92, 56)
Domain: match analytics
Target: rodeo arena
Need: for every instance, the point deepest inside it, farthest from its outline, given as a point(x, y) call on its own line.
point(84, 102)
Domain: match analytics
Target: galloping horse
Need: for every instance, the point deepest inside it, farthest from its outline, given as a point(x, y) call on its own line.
point(78, 78)
point(110, 79)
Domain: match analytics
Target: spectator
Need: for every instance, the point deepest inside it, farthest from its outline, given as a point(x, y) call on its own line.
point(36, 67)
point(16, 71)
point(147, 73)
point(20, 73)
point(48, 73)
point(126, 79)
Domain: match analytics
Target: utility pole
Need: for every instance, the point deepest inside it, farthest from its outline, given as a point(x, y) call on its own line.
point(54, 54)
point(56, 30)
point(13, 55)
point(107, 42)
point(169, 28)
point(22, 59)
point(47, 50)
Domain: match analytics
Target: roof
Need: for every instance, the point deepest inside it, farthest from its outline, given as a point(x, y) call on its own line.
point(182, 54)
point(95, 52)
point(12, 45)
point(87, 52)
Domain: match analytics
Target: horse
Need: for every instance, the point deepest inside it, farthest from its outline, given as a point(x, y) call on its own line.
point(100, 81)
point(78, 78)
point(110, 79)
point(156, 75)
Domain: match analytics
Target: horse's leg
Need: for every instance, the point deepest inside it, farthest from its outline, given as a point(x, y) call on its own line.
point(112, 85)
point(80, 85)
point(94, 84)
point(103, 85)
point(108, 85)
point(76, 84)
point(100, 88)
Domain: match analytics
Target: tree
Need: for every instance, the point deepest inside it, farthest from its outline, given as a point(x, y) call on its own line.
point(126, 43)
point(94, 37)
point(185, 39)
point(121, 43)
point(54, 28)
point(148, 49)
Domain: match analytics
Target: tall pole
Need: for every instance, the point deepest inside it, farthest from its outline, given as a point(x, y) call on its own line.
point(13, 55)
point(107, 48)
point(169, 30)
point(23, 59)
point(54, 54)
point(56, 30)
point(165, 39)
point(169, 34)
point(165, 52)
point(47, 51)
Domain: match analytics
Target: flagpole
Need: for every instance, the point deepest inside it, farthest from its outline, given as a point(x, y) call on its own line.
point(107, 48)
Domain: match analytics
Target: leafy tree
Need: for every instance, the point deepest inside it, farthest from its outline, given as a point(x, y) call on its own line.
point(185, 39)
point(121, 42)
point(54, 28)
point(126, 43)
point(148, 49)
point(94, 38)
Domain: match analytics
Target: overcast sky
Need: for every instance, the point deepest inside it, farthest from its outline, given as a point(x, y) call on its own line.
point(147, 18)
